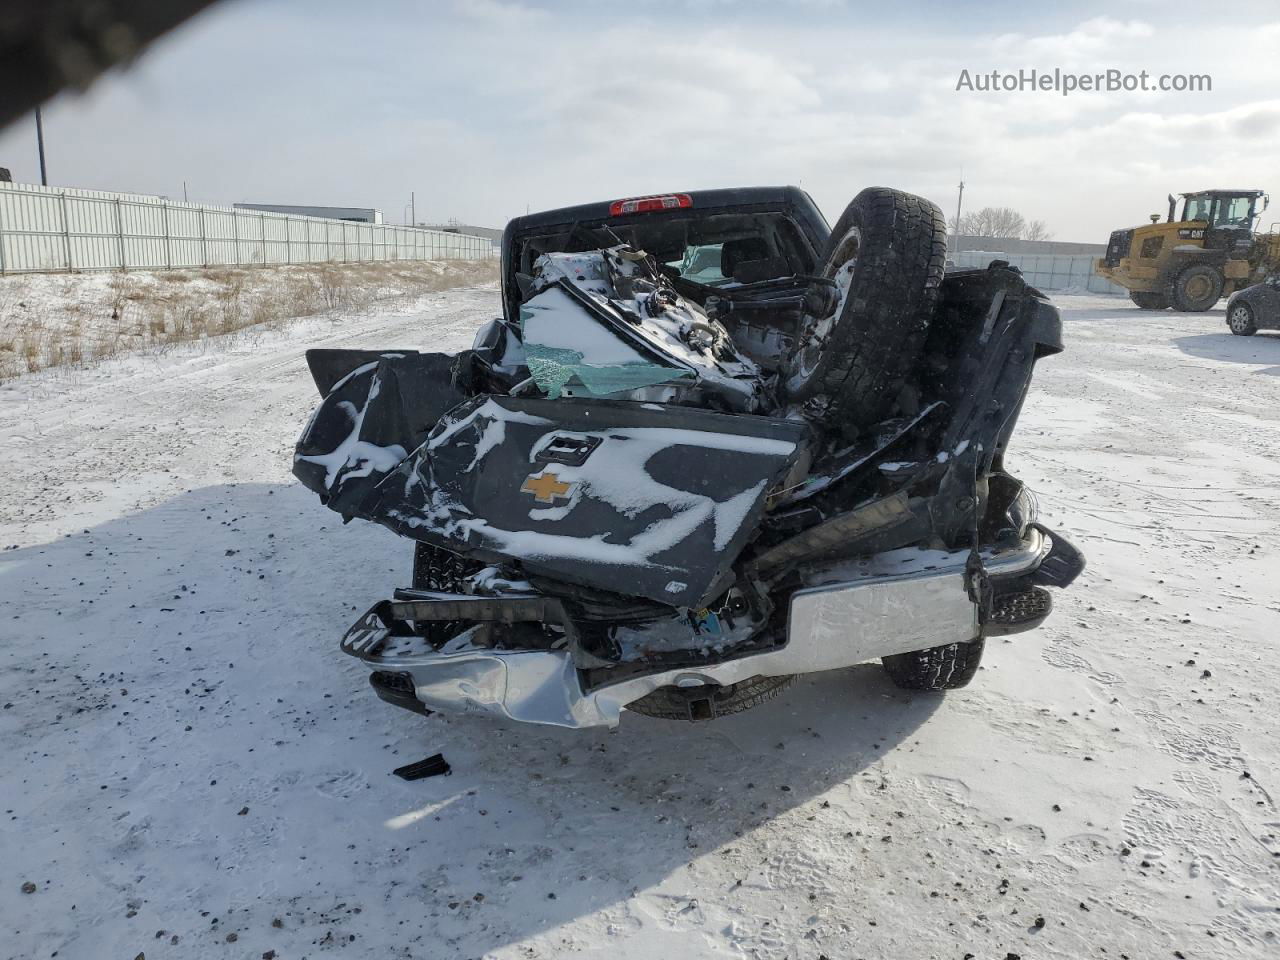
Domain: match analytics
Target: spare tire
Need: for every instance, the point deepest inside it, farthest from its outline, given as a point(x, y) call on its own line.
point(887, 254)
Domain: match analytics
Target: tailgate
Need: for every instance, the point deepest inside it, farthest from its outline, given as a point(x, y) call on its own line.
point(640, 499)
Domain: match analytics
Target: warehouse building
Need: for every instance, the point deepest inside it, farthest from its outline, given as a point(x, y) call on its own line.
point(354, 214)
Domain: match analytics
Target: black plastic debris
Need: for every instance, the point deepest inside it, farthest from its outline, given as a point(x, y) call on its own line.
point(430, 767)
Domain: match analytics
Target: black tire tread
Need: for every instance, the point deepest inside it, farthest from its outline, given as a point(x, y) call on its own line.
point(1177, 296)
point(1149, 301)
point(672, 703)
point(948, 667)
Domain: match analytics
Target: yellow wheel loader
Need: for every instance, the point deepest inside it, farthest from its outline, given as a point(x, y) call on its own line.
point(1191, 262)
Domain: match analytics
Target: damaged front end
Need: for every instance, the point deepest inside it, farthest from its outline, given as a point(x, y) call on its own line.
point(618, 502)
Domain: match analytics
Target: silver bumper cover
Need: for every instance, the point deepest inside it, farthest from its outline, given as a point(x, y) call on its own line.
point(846, 614)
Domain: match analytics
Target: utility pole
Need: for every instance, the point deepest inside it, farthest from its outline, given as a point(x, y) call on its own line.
point(184, 192)
point(44, 177)
point(959, 201)
point(413, 209)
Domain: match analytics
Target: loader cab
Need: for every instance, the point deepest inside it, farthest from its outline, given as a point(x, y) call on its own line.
point(1229, 217)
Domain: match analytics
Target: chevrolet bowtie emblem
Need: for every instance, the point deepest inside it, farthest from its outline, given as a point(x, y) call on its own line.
point(546, 487)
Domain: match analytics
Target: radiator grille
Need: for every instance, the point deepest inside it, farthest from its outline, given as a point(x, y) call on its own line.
point(1118, 246)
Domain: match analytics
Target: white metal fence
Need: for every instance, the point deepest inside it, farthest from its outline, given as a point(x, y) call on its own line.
point(48, 229)
point(1047, 271)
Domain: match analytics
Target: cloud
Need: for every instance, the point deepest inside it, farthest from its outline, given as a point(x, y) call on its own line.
point(504, 13)
point(1256, 123)
point(1085, 43)
point(675, 86)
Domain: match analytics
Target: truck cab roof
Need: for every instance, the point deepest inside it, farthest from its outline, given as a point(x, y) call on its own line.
point(699, 200)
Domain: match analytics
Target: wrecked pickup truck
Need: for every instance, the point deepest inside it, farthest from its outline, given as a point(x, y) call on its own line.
point(710, 445)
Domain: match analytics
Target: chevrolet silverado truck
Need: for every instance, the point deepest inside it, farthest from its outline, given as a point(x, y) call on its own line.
point(711, 444)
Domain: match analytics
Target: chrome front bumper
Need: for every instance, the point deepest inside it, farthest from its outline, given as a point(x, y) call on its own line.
point(848, 613)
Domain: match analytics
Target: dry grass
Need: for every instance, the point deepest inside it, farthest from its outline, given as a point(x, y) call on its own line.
point(71, 321)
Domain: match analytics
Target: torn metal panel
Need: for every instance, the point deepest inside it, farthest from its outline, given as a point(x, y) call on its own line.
point(643, 500)
point(991, 329)
point(373, 414)
point(843, 531)
point(849, 462)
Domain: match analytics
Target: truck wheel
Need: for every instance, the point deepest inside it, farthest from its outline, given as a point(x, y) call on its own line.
point(1149, 301)
point(887, 254)
point(948, 667)
point(709, 702)
point(1240, 320)
point(1197, 288)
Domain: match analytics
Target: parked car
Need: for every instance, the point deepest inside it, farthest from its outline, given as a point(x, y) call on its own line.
point(642, 488)
point(1255, 308)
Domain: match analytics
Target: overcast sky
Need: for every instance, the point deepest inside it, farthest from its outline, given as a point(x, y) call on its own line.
point(484, 107)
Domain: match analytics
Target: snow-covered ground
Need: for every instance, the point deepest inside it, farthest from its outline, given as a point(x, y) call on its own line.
point(63, 319)
point(192, 768)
